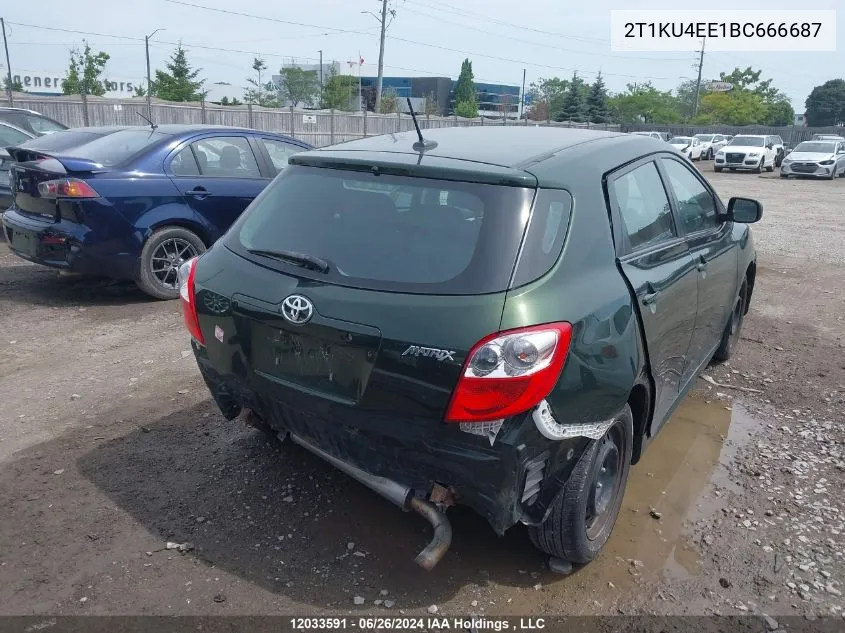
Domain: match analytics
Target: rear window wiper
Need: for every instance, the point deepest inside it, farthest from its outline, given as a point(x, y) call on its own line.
point(300, 259)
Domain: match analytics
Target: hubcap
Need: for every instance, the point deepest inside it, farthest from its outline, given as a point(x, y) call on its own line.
point(167, 257)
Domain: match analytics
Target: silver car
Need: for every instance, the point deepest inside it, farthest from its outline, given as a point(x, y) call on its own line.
point(821, 159)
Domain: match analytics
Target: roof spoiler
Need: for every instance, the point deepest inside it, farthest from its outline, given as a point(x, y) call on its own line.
point(51, 162)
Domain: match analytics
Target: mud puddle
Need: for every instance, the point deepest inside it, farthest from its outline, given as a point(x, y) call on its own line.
point(680, 479)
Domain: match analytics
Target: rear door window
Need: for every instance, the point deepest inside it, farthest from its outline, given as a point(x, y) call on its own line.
point(387, 231)
point(644, 207)
point(226, 157)
point(279, 152)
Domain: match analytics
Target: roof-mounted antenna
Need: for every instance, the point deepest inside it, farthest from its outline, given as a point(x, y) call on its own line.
point(422, 144)
point(152, 125)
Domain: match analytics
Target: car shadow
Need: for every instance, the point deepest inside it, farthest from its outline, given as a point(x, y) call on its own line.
point(283, 519)
point(36, 285)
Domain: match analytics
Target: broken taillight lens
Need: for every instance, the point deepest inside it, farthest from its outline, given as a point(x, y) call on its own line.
point(510, 372)
point(188, 299)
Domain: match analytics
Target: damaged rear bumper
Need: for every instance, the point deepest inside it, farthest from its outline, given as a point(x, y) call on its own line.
point(513, 478)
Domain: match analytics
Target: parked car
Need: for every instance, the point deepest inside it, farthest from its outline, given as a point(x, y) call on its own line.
point(9, 135)
point(663, 136)
point(827, 137)
point(753, 152)
point(780, 148)
point(31, 121)
point(439, 320)
point(822, 159)
point(710, 144)
point(689, 146)
point(54, 141)
point(136, 203)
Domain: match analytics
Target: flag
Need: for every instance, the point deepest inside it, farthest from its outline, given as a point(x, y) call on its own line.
point(361, 62)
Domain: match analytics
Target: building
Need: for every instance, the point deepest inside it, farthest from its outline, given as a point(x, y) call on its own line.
point(800, 120)
point(494, 100)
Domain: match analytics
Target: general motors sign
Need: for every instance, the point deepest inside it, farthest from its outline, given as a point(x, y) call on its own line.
point(47, 83)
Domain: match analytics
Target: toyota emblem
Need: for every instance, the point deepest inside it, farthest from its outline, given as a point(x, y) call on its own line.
point(297, 309)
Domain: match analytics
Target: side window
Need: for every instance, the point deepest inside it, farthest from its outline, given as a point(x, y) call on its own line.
point(279, 152)
point(10, 136)
point(644, 206)
point(226, 157)
point(545, 236)
point(184, 163)
point(43, 125)
point(696, 205)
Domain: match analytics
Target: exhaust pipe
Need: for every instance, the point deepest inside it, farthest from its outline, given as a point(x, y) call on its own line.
point(400, 495)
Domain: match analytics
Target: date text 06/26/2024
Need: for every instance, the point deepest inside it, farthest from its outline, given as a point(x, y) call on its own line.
point(723, 31)
point(405, 623)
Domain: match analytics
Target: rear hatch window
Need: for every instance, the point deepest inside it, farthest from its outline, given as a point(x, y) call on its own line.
point(386, 232)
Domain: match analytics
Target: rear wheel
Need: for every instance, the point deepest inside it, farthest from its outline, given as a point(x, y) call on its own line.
point(730, 337)
point(717, 169)
point(583, 515)
point(164, 252)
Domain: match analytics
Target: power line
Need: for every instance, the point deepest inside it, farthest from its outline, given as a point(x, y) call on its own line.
point(403, 39)
point(542, 44)
point(448, 8)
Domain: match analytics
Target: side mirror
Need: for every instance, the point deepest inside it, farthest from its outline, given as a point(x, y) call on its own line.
point(744, 210)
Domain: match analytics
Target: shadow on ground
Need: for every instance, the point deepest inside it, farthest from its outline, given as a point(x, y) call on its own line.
point(279, 517)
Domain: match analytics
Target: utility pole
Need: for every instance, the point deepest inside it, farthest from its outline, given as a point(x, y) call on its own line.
point(698, 81)
point(522, 95)
point(381, 55)
point(8, 65)
point(321, 78)
point(149, 84)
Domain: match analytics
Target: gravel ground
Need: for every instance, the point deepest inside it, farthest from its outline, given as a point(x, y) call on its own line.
point(110, 449)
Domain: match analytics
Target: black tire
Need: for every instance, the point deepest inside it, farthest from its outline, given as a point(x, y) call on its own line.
point(717, 169)
point(179, 242)
point(770, 168)
point(784, 175)
point(565, 533)
point(759, 168)
point(731, 334)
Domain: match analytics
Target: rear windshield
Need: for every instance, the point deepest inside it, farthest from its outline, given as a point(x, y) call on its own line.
point(61, 140)
point(388, 232)
point(115, 148)
point(681, 139)
point(704, 137)
point(815, 147)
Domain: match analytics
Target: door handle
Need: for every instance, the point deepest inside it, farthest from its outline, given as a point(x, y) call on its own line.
point(649, 298)
point(199, 192)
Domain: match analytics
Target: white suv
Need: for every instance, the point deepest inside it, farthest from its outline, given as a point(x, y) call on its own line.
point(710, 144)
point(754, 152)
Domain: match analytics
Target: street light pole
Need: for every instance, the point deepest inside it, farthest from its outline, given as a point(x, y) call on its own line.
point(149, 84)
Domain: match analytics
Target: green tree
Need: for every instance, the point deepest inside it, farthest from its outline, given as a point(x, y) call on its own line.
point(547, 96)
point(742, 107)
point(685, 97)
point(779, 112)
point(643, 103)
point(597, 110)
point(573, 102)
point(85, 72)
point(261, 91)
point(431, 105)
point(466, 100)
point(389, 101)
point(180, 83)
point(299, 86)
point(339, 91)
point(225, 101)
point(17, 86)
point(826, 104)
point(139, 91)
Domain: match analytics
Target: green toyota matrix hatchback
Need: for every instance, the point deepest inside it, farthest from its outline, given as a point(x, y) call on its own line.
point(500, 317)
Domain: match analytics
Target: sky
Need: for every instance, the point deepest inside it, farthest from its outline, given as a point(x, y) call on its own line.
point(546, 38)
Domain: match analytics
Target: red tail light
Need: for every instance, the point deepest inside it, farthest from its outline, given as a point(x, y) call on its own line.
point(66, 188)
point(509, 372)
point(189, 300)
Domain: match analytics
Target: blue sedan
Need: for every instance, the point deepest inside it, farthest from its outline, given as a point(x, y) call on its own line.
point(136, 203)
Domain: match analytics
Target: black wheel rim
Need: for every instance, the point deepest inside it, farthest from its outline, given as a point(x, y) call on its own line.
point(605, 482)
point(166, 259)
point(736, 321)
